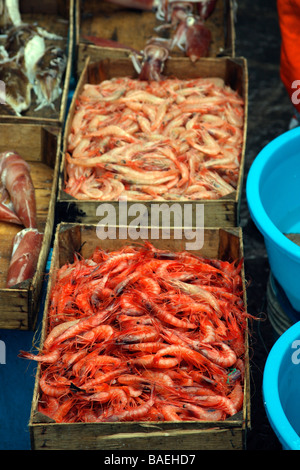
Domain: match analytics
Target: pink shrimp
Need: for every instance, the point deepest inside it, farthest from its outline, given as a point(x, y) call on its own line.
point(141, 345)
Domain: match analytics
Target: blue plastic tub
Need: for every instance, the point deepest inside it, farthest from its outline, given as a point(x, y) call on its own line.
point(273, 195)
point(281, 388)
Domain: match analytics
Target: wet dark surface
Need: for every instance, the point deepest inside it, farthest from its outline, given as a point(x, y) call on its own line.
point(269, 113)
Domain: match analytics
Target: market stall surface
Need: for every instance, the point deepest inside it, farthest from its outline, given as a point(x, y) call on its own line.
point(270, 110)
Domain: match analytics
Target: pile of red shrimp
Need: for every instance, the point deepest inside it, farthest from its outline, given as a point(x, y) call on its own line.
point(143, 334)
point(147, 140)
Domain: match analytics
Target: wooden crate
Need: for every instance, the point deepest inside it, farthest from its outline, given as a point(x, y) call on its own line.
point(40, 146)
point(134, 28)
point(229, 434)
point(221, 212)
point(56, 16)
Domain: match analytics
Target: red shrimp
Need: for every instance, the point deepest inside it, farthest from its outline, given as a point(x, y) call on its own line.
point(237, 396)
point(48, 405)
point(160, 362)
point(110, 363)
point(85, 359)
point(68, 358)
point(49, 358)
point(181, 352)
point(139, 333)
point(132, 380)
point(101, 361)
point(114, 394)
point(106, 377)
point(148, 347)
point(60, 414)
point(162, 313)
point(219, 353)
point(57, 331)
point(133, 414)
point(171, 412)
point(53, 389)
point(83, 325)
point(204, 415)
point(94, 335)
point(217, 401)
point(150, 285)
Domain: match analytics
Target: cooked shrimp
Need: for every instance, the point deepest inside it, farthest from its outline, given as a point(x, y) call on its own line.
point(219, 353)
point(112, 129)
point(140, 325)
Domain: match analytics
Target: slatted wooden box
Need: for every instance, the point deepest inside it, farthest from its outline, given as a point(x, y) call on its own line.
point(40, 146)
point(133, 28)
point(229, 434)
point(221, 212)
point(55, 16)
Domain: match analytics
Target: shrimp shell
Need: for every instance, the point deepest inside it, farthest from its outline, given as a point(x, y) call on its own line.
point(153, 347)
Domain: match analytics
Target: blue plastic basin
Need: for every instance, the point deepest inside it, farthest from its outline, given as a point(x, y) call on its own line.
point(281, 388)
point(273, 196)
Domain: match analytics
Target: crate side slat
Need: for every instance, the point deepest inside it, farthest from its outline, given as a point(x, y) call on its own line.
point(52, 437)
